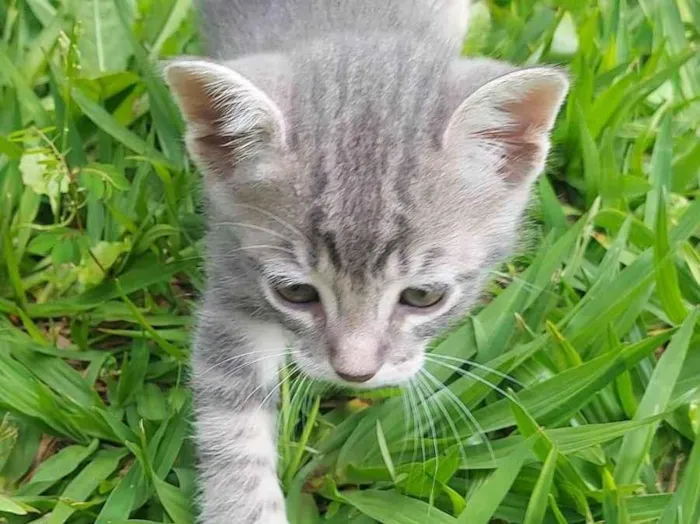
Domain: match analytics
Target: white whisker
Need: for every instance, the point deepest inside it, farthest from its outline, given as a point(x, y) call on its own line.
point(473, 376)
point(525, 283)
point(406, 424)
point(251, 226)
point(276, 219)
point(279, 383)
point(482, 367)
point(463, 411)
point(247, 248)
point(232, 358)
point(260, 386)
point(419, 426)
point(428, 413)
point(448, 417)
point(231, 253)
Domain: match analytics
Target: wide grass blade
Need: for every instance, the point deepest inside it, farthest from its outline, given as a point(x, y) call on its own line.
point(391, 508)
point(539, 500)
point(635, 446)
point(484, 501)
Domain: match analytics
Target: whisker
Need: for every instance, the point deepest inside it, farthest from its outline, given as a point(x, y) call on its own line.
point(428, 413)
point(251, 226)
point(419, 426)
point(491, 370)
point(230, 373)
point(260, 386)
point(229, 279)
point(232, 358)
point(231, 253)
point(473, 376)
point(297, 395)
point(299, 398)
point(420, 433)
point(423, 428)
point(447, 416)
point(297, 382)
point(525, 283)
point(276, 219)
point(406, 420)
point(258, 246)
point(464, 410)
point(414, 423)
point(306, 398)
point(279, 383)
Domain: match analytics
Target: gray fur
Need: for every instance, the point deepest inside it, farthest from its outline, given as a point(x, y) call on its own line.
point(241, 27)
point(361, 162)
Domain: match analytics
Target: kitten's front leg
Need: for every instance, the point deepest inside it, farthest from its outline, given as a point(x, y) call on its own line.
point(235, 373)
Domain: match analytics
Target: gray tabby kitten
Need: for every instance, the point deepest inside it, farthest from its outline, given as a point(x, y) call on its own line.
point(360, 181)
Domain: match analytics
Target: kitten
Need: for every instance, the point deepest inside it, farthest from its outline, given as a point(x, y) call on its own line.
point(359, 185)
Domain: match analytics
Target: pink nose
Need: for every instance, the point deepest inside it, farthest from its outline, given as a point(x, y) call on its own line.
point(356, 362)
point(355, 378)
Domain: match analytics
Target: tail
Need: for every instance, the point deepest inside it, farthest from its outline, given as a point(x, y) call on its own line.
point(232, 28)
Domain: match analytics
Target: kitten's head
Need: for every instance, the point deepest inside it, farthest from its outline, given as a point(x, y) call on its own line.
point(360, 193)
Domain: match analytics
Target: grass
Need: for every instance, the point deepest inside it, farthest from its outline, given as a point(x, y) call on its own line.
point(584, 402)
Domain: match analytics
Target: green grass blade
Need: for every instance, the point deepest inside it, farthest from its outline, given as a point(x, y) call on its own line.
point(539, 500)
point(635, 446)
point(389, 507)
point(63, 463)
point(484, 502)
point(87, 481)
point(666, 274)
point(109, 125)
point(684, 507)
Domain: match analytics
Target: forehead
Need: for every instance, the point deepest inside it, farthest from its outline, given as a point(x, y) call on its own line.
point(361, 126)
point(361, 248)
point(367, 94)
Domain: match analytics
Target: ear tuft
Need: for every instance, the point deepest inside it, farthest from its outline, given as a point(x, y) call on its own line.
point(226, 114)
point(509, 120)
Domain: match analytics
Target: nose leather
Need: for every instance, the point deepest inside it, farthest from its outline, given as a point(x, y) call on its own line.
point(355, 378)
point(356, 356)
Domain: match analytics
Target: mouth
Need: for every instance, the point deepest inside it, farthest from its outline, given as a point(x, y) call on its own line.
point(388, 375)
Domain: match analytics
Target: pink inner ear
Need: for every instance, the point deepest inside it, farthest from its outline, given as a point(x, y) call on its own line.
point(227, 116)
point(195, 95)
point(537, 107)
point(524, 140)
point(205, 118)
point(521, 153)
point(208, 100)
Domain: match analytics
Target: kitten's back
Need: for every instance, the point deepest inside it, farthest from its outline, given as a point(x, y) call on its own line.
point(233, 28)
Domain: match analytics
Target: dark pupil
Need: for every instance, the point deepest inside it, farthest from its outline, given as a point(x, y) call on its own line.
point(420, 297)
point(299, 293)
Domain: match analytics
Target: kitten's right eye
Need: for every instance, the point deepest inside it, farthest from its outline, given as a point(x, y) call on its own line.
point(421, 298)
point(298, 294)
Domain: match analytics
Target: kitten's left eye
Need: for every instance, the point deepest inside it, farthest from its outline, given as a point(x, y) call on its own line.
point(298, 293)
point(421, 298)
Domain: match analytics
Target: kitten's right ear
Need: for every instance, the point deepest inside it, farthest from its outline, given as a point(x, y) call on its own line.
point(227, 115)
point(505, 123)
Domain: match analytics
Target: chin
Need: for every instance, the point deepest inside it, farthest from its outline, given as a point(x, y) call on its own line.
point(390, 374)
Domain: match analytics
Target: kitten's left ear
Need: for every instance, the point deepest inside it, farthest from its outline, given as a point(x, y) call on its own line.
point(227, 115)
point(505, 124)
